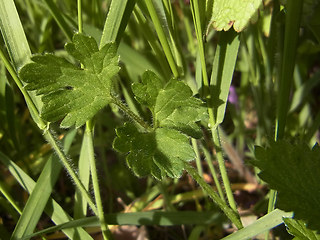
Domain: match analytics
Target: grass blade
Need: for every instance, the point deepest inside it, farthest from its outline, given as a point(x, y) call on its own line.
point(292, 26)
point(52, 209)
point(56, 13)
point(162, 37)
point(222, 72)
point(40, 194)
point(116, 22)
point(159, 218)
point(38, 199)
point(13, 34)
point(17, 46)
point(263, 224)
point(80, 207)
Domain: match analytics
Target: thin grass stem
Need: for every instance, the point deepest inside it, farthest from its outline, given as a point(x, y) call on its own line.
point(214, 129)
point(96, 188)
point(162, 38)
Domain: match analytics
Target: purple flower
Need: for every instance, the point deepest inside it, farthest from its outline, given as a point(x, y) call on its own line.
point(233, 97)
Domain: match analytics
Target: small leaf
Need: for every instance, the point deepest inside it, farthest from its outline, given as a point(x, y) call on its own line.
point(162, 150)
point(176, 108)
point(147, 91)
point(71, 92)
point(294, 171)
point(234, 12)
point(299, 230)
point(158, 153)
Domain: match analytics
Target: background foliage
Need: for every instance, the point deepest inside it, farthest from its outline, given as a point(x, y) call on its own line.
point(219, 92)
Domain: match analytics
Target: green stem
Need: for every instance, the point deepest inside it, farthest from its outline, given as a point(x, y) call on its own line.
point(214, 129)
point(131, 114)
point(46, 132)
point(96, 188)
point(52, 141)
point(162, 38)
point(230, 213)
point(32, 107)
point(80, 28)
point(213, 173)
point(222, 168)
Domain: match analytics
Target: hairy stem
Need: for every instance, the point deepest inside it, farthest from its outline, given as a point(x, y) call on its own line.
point(49, 136)
point(230, 213)
point(131, 114)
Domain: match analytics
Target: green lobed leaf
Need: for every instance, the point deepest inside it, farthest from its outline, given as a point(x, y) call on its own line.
point(234, 12)
point(298, 229)
point(70, 92)
point(162, 150)
point(294, 171)
point(172, 105)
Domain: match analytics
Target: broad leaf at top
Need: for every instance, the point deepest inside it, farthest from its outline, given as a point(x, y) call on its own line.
point(294, 171)
point(70, 92)
point(238, 13)
point(162, 150)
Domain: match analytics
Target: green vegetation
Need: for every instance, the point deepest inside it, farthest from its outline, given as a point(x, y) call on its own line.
point(159, 119)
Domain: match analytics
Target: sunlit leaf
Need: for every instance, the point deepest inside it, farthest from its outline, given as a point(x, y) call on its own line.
point(71, 92)
point(236, 13)
point(162, 150)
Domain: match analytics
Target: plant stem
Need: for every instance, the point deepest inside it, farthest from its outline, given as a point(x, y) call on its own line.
point(96, 188)
point(52, 141)
point(230, 213)
point(212, 123)
point(32, 107)
point(222, 168)
point(162, 38)
point(131, 114)
point(80, 28)
point(213, 172)
point(49, 136)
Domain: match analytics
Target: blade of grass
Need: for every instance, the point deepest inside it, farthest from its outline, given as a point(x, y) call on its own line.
point(13, 34)
point(116, 22)
point(213, 172)
point(263, 224)
point(40, 195)
point(9, 198)
point(80, 207)
point(56, 13)
point(18, 50)
point(38, 199)
point(152, 40)
point(292, 27)
point(96, 188)
point(159, 218)
point(222, 72)
point(162, 37)
point(230, 213)
point(53, 209)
